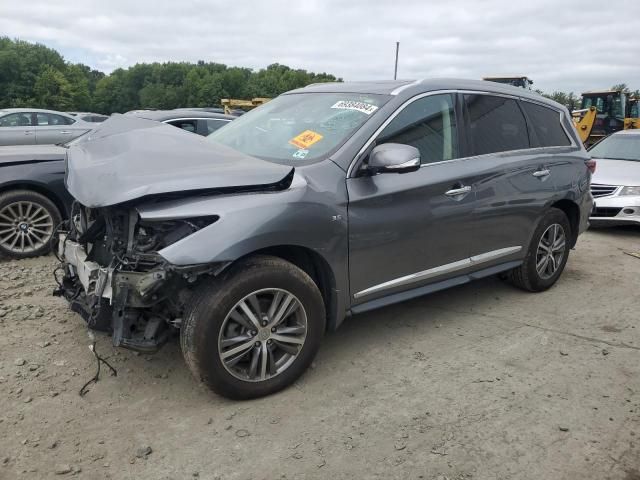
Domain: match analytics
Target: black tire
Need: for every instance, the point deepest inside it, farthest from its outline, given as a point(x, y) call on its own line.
point(16, 196)
point(213, 300)
point(526, 276)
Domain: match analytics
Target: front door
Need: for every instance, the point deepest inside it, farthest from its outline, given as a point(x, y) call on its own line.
point(406, 230)
point(17, 129)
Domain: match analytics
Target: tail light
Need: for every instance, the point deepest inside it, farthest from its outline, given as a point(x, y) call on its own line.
point(591, 165)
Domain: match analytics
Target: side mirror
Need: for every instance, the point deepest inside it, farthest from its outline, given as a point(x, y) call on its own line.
point(394, 158)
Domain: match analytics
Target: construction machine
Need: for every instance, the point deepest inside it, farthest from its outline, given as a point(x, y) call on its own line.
point(604, 112)
point(230, 104)
point(518, 81)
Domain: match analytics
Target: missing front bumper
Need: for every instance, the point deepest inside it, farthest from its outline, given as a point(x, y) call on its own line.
point(126, 303)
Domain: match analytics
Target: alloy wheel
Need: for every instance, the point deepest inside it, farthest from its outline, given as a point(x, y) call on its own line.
point(262, 335)
point(25, 227)
point(551, 251)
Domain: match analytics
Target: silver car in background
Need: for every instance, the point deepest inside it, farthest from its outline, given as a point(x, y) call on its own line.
point(33, 126)
point(616, 184)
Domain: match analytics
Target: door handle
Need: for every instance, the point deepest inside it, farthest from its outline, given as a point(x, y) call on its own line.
point(28, 132)
point(541, 173)
point(454, 192)
point(65, 132)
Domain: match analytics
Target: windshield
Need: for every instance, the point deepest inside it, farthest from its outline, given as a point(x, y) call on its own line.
point(299, 128)
point(618, 147)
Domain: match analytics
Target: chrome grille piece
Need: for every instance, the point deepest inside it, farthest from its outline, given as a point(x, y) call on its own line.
point(598, 190)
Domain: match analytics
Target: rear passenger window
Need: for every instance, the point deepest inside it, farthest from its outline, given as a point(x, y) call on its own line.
point(213, 125)
point(51, 119)
point(429, 124)
point(545, 124)
point(188, 125)
point(496, 124)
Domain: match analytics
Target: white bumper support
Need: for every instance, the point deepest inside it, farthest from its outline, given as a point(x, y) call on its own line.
point(95, 279)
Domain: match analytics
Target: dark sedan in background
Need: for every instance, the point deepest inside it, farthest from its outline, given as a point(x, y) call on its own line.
point(195, 121)
point(33, 198)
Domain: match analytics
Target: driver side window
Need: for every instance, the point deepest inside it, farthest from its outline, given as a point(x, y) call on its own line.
point(429, 124)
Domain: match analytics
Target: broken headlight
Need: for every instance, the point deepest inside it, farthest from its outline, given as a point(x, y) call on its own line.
point(156, 235)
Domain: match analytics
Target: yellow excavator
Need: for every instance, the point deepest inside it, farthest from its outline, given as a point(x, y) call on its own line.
point(231, 104)
point(603, 112)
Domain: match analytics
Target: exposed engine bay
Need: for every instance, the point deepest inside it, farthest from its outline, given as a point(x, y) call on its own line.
point(112, 275)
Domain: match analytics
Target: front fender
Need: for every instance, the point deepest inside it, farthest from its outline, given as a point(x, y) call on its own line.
point(248, 222)
point(311, 213)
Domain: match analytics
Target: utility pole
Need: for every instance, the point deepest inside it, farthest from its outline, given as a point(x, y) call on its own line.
point(395, 71)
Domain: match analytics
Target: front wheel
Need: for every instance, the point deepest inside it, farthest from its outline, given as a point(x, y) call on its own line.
point(255, 329)
point(547, 255)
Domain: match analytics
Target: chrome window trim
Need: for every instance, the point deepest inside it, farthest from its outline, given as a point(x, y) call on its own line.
point(374, 136)
point(402, 88)
point(440, 270)
point(194, 118)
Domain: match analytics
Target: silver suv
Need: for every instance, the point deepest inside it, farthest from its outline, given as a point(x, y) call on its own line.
point(328, 201)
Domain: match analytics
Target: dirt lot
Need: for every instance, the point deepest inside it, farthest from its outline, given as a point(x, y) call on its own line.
point(479, 382)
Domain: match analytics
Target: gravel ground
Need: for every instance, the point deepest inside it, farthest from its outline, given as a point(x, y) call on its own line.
point(479, 382)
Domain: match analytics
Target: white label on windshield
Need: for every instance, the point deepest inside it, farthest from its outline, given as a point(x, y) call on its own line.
point(301, 154)
point(365, 108)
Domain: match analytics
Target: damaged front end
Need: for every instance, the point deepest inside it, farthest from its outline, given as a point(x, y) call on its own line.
point(115, 279)
point(113, 273)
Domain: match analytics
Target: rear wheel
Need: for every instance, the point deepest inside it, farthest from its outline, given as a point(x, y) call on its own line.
point(27, 222)
point(255, 329)
point(547, 255)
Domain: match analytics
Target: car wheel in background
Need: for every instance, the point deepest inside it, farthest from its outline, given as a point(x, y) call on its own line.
point(547, 254)
point(27, 222)
point(255, 329)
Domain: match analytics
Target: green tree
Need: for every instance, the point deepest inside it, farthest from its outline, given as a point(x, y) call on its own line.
point(52, 90)
point(37, 76)
point(622, 87)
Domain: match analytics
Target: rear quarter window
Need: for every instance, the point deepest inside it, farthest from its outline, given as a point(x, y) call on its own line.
point(546, 126)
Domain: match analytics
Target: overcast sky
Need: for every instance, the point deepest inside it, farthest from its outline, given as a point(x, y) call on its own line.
point(565, 45)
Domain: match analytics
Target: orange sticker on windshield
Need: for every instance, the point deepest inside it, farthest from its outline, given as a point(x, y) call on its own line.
point(306, 139)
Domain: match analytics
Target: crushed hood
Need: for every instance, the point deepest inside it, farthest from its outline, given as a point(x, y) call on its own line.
point(127, 158)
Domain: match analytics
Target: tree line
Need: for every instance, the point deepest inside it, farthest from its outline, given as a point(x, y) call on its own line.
point(33, 75)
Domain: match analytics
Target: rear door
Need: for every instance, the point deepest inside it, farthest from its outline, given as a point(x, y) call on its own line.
point(556, 150)
point(52, 128)
point(407, 230)
point(17, 129)
point(510, 179)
